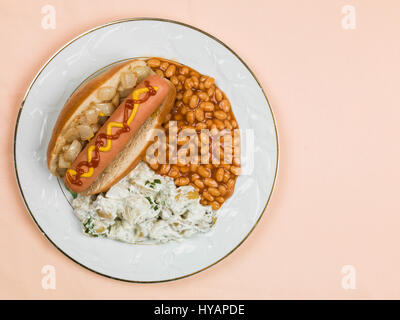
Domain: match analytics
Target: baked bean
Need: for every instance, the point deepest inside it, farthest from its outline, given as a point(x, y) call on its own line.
point(164, 65)
point(230, 183)
point(218, 95)
point(220, 199)
point(178, 117)
point(184, 70)
point(204, 172)
point(193, 101)
point(214, 192)
point(209, 82)
point(154, 165)
point(199, 183)
point(208, 115)
point(184, 169)
point(219, 175)
point(219, 124)
point(195, 187)
point(203, 96)
point(160, 73)
point(234, 124)
point(226, 176)
point(201, 86)
point(180, 124)
point(209, 123)
point(199, 114)
point(164, 169)
point(179, 96)
point(209, 182)
point(207, 106)
point(187, 96)
point(170, 71)
point(182, 181)
point(211, 91)
point(235, 170)
point(193, 167)
point(181, 78)
point(204, 202)
point(153, 63)
point(195, 81)
point(220, 115)
point(188, 84)
point(173, 173)
point(174, 80)
point(225, 105)
point(228, 125)
point(190, 117)
point(201, 125)
point(207, 196)
point(184, 110)
point(194, 177)
point(222, 189)
point(215, 205)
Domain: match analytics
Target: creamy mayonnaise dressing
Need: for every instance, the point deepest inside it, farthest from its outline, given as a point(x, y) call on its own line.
point(144, 207)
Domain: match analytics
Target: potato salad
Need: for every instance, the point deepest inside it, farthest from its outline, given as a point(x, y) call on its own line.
point(144, 207)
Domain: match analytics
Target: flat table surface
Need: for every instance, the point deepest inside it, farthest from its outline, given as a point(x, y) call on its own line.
point(334, 214)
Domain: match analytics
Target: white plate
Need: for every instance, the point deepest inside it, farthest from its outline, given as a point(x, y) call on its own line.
point(63, 73)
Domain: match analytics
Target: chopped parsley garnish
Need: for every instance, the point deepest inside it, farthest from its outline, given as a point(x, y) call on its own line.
point(149, 200)
point(89, 227)
point(152, 184)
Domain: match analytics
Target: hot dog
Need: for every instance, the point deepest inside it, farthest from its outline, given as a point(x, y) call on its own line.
point(117, 146)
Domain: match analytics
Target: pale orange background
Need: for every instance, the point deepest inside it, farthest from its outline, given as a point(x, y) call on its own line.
point(334, 93)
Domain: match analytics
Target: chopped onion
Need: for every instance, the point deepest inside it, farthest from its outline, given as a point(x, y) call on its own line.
point(71, 134)
point(91, 116)
point(141, 72)
point(85, 132)
point(115, 100)
point(128, 80)
point(95, 127)
point(73, 151)
point(62, 163)
point(106, 93)
point(106, 108)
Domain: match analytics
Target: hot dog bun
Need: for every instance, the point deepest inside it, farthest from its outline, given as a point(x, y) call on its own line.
point(87, 98)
